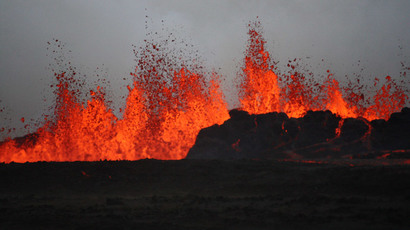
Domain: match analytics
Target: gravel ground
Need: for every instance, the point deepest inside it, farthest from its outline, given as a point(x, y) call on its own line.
point(205, 194)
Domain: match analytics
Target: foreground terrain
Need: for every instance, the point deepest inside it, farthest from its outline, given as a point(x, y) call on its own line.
point(205, 194)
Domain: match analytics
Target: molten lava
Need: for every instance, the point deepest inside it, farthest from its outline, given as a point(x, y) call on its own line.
point(261, 90)
point(161, 120)
point(168, 104)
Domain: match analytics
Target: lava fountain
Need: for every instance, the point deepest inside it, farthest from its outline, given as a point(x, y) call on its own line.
point(263, 91)
point(166, 107)
point(170, 102)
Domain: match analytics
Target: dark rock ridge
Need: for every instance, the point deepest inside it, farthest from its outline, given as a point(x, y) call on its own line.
point(319, 134)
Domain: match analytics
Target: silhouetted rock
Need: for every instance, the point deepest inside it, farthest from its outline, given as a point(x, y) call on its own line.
point(392, 134)
point(318, 134)
point(316, 127)
point(353, 129)
point(242, 136)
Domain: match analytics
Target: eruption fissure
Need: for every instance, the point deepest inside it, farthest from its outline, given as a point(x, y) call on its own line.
point(170, 101)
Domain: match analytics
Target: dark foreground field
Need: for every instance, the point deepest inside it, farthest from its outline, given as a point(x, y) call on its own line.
point(204, 194)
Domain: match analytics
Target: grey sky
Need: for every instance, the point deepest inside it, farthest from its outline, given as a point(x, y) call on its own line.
point(102, 32)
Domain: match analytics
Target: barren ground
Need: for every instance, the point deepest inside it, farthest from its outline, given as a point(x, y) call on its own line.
point(204, 194)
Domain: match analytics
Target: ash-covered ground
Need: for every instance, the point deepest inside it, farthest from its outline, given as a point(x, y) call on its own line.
point(206, 194)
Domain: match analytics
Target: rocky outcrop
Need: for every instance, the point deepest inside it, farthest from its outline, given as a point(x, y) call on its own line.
point(319, 134)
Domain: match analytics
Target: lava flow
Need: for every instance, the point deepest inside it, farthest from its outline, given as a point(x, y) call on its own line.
point(168, 104)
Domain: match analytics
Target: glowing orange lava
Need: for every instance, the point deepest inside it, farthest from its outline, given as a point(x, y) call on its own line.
point(263, 91)
point(168, 105)
point(92, 132)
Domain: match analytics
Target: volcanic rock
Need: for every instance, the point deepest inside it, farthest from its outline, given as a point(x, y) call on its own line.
point(316, 127)
point(318, 134)
point(395, 133)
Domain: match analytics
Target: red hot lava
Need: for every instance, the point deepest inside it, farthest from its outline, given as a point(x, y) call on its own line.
point(167, 105)
point(261, 90)
point(161, 119)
